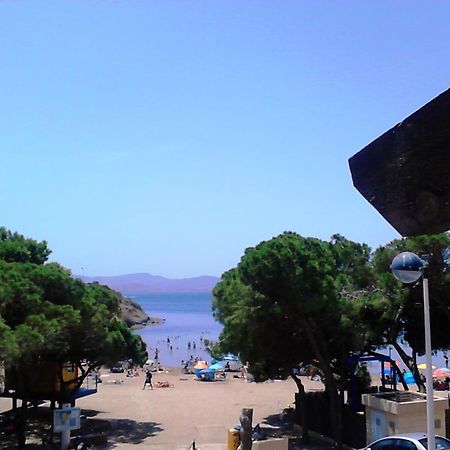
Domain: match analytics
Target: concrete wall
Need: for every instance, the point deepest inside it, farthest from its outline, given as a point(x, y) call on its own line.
point(271, 444)
point(386, 416)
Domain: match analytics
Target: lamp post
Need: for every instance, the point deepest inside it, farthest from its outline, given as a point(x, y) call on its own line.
point(408, 268)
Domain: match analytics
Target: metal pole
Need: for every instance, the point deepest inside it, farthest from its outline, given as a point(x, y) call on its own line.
point(65, 439)
point(65, 434)
point(429, 370)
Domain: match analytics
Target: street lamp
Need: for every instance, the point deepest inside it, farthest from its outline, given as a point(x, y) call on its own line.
point(408, 268)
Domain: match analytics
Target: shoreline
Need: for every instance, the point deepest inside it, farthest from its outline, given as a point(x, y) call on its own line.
point(186, 327)
point(150, 322)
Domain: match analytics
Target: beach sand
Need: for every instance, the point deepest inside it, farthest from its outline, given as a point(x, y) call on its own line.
point(172, 417)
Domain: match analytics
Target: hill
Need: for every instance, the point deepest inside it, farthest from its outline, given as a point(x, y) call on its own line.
point(146, 283)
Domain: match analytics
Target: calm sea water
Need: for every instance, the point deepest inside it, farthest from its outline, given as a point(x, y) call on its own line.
point(188, 319)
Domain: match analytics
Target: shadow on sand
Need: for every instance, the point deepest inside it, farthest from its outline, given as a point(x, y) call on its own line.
point(129, 432)
point(104, 434)
point(283, 425)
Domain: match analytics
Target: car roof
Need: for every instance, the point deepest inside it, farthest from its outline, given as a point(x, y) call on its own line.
point(416, 436)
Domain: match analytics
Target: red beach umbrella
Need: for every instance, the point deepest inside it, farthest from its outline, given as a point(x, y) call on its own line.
point(442, 372)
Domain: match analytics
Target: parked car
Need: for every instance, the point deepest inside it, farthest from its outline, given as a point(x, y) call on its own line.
point(117, 369)
point(408, 441)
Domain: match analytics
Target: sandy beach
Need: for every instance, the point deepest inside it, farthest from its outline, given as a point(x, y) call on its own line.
point(172, 417)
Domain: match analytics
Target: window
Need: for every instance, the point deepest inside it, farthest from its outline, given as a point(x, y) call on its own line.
point(404, 444)
point(384, 444)
point(441, 443)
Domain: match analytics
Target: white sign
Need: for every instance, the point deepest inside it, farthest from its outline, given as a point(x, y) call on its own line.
point(66, 419)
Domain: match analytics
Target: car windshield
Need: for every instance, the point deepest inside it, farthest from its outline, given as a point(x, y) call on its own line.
point(441, 443)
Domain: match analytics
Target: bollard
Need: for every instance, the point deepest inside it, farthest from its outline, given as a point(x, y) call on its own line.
point(232, 439)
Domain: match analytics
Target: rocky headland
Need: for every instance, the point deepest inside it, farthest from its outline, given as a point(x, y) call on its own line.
point(134, 316)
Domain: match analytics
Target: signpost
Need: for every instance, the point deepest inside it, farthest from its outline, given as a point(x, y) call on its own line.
point(66, 419)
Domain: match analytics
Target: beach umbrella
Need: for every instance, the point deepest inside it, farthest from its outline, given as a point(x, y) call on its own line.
point(409, 378)
point(216, 366)
point(442, 372)
point(206, 374)
point(201, 365)
point(423, 366)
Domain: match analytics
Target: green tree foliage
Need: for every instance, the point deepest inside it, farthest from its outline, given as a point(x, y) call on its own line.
point(293, 299)
point(16, 248)
point(397, 314)
point(284, 305)
point(47, 317)
point(52, 317)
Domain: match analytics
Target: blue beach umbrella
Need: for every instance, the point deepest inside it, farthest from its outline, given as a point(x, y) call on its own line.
point(206, 375)
point(216, 366)
point(409, 378)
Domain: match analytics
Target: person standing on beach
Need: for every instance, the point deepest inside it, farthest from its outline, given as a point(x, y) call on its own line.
point(148, 379)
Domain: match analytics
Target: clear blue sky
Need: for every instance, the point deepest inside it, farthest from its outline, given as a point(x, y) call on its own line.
point(168, 136)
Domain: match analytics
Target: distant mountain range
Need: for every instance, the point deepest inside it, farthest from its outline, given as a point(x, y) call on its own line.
point(146, 283)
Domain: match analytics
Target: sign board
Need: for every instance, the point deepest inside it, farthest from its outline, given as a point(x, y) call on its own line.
point(405, 173)
point(66, 419)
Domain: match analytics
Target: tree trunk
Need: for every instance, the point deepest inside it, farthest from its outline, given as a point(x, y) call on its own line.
point(401, 378)
point(412, 366)
point(335, 409)
point(20, 422)
point(302, 407)
point(410, 362)
point(246, 429)
point(319, 345)
point(20, 416)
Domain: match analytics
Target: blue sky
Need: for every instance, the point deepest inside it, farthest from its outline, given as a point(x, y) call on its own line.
point(167, 136)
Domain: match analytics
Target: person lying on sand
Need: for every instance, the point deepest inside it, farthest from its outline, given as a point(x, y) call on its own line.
point(163, 384)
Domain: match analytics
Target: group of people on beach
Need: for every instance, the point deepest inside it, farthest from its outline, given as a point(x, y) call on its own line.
point(132, 373)
point(186, 365)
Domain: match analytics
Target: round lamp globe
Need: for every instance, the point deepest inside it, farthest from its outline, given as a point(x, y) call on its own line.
point(407, 267)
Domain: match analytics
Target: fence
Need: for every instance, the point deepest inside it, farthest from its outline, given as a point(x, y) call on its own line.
point(318, 419)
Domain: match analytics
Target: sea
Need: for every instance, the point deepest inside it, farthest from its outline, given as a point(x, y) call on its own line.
point(187, 321)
